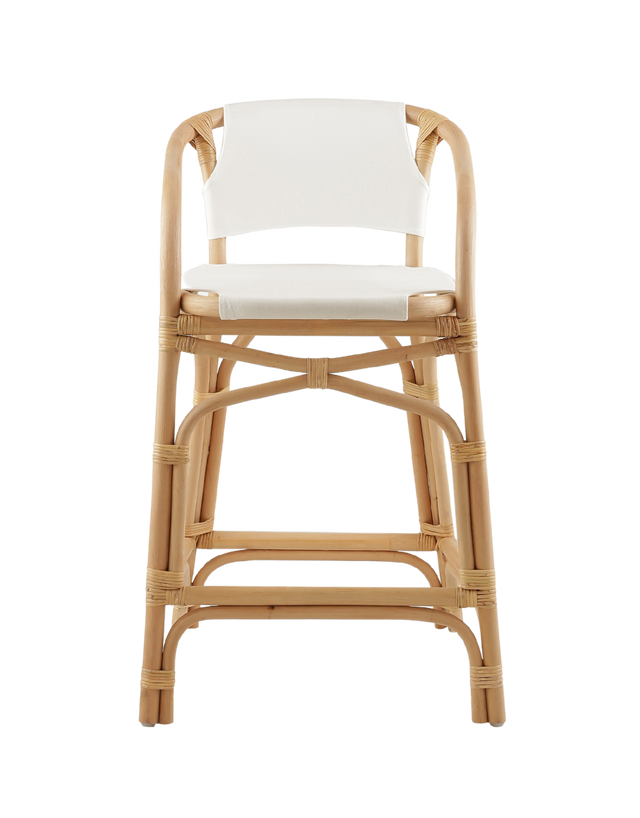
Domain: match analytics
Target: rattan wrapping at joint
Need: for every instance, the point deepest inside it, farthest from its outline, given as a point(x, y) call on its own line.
point(317, 373)
point(186, 343)
point(447, 326)
point(205, 540)
point(203, 125)
point(424, 391)
point(469, 452)
point(158, 679)
point(440, 531)
point(170, 454)
point(466, 598)
point(481, 579)
point(189, 324)
point(196, 529)
point(427, 143)
point(446, 346)
point(487, 677)
point(164, 580)
point(427, 542)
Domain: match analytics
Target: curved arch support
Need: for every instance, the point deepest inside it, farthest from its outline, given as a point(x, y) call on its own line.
point(342, 612)
point(337, 382)
point(316, 556)
point(341, 384)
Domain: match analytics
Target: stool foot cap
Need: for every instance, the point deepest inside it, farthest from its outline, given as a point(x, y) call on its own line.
point(497, 724)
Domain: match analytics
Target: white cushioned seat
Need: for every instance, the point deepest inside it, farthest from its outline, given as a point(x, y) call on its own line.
point(315, 291)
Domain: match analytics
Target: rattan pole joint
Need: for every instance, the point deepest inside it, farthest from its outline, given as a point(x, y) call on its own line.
point(317, 373)
point(430, 534)
point(168, 333)
point(205, 540)
point(186, 343)
point(196, 529)
point(189, 324)
point(169, 454)
point(466, 598)
point(470, 452)
point(158, 679)
point(483, 582)
point(202, 533)
point(487, 677)
point(160, 584)
point(424, 391)
point(426, 542)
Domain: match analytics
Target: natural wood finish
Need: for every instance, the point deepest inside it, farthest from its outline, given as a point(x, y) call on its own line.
point(189, 559)
point(413, 258)
point(217, 251)
point(448, 548)
point(451, 575)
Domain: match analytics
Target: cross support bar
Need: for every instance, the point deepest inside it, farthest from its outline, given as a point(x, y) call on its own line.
point(347, 363)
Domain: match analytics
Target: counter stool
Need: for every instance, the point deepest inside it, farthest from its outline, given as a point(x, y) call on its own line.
point(323, 163)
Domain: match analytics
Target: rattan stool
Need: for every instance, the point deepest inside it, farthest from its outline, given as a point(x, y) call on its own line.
point(318, 163)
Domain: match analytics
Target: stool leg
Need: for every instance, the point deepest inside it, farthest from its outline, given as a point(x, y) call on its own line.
point(416, 441)
point(160, 527)
point(426, 373)
point(212, 474)
point(203, 482)
point(430, 463)
point(205, 377)
point(481, 524)
point(210, 373)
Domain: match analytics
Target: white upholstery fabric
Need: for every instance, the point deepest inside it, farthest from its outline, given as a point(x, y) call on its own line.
point(315, 163)
point(353, 292)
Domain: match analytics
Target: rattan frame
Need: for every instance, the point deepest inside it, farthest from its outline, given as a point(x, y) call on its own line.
point(187, 464)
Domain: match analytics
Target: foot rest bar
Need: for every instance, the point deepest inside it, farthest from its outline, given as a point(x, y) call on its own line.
point(265, 595)
point(314, 541)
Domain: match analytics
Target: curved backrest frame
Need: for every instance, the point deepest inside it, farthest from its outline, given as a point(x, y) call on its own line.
point(171, 251)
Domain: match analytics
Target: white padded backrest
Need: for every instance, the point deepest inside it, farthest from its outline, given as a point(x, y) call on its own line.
point(315, 163)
